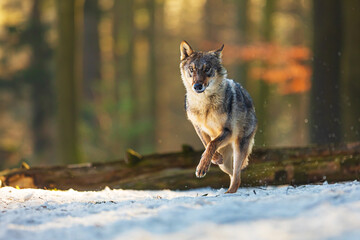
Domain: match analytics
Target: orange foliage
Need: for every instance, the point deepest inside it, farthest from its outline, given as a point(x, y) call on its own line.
point(287, 67)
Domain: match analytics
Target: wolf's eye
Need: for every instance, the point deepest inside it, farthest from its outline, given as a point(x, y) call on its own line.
point(191, 69)
point(207, 69)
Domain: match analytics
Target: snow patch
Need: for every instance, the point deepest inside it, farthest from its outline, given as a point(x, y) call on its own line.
point(328, 211)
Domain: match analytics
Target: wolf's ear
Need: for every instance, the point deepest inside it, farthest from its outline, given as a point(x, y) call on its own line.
point(218, 52)
point(185, 50)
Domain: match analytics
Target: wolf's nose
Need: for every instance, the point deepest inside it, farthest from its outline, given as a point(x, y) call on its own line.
point(198, 87)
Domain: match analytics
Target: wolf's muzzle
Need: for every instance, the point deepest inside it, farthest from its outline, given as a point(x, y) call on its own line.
point(198, 87)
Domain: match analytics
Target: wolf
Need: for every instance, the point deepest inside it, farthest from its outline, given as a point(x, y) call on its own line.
point(221, 111)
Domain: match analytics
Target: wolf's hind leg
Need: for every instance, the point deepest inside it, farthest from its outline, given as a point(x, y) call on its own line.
point(242, 149)
point(227, 165)
point(246, 161)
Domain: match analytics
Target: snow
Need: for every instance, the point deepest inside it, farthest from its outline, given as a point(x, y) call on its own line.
point(327, 211)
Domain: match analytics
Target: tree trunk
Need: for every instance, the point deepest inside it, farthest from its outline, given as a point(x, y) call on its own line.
point(262, 95)
point(124, 90)
point(277, 166)
point(91, 49)
point(241, 23)
point(211, 23)
point(42, 86)
point(67, 83)
point(149, 137)
point(351, 70)
point(325, 92)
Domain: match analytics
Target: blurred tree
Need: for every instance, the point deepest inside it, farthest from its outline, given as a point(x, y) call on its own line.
point(258, 88)
point(351, 70)
point(38, 74)
point(91, 49)
point(264, 88)
point(212, 21)
point(242, 21)
point(149, 136)
point(67, 83)
point(91, 63)
point(325, 92)
point(124, 90)
point(91, 75)
point(144, 83)
point(135, 40)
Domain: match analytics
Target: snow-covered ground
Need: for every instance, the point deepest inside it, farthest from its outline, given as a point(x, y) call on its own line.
point(328, 211)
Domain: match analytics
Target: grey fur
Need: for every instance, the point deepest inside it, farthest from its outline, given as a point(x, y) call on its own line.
point(223, 114)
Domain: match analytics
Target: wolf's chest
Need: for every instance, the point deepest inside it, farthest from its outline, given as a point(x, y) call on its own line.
point(209, 120)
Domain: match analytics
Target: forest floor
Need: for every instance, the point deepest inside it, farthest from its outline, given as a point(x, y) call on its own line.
point(327, 211)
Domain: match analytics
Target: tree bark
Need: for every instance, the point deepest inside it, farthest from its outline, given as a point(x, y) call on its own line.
point(276, 166)
point(125, 89)
point(150, 136)
point(91, 49)
point(325, 91)
point(67, 84)
point(241, 24)
point(42, 86)
point(351, 70)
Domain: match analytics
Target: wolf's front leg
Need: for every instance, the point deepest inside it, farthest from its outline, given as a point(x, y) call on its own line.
point(210, 150)
point(205, 139)
point(217, 159)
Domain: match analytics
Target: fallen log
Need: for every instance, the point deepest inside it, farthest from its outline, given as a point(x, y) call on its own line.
point(272, 166)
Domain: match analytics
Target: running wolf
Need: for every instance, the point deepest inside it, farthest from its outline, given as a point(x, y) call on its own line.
point(221, 111)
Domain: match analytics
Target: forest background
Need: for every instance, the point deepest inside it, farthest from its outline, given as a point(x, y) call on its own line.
point(84, 80)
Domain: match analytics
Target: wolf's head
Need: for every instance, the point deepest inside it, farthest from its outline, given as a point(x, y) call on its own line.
point(200, 70)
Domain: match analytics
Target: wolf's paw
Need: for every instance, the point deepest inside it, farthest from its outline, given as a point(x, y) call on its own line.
point(202, 168)
point(234, 186)
point(217, 159)
point(231, 190)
